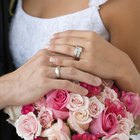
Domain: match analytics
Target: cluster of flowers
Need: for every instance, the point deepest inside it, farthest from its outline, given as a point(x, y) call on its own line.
point(104, 114)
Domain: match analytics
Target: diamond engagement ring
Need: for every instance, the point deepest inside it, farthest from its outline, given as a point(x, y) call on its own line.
point(58, 72)
point(77, 52)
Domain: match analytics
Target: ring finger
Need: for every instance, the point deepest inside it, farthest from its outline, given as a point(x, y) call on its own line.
point(74, 74)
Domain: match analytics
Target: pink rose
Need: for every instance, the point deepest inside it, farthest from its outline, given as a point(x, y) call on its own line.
point(104, 125)
point(45, 117)
point(77, 101)
point(109, 93)
point(40, 103)
point(85, 136)
point(27, 108)
point(92, 90)
point(116, 107)
point(120, 136)
point(28, 127)
point(132, 102)
point(58, 131)
point(124, 126)
point(57, 100)
point(95, 107)
point(79, 120)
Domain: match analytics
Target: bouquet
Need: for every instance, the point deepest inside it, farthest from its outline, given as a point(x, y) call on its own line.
point(105, 113)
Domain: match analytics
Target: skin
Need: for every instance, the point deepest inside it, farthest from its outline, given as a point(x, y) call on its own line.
point(36, 78)
point(124, 37)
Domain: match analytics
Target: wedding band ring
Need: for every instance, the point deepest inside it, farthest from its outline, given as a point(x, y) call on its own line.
point(58, 72)
point(77, 52)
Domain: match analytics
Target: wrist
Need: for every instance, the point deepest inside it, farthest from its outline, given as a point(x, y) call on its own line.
point(6, 90)
point(128, 77)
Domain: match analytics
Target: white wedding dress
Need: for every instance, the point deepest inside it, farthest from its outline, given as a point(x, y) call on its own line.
point(29, 34)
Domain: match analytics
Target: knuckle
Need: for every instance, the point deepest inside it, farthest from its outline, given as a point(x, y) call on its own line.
point(90, 43)
point(67, 49)
point(41, 52)
point(93, 35)
point(42, 71)
point(67, 39)
point(69, 32)
point(67, 83)
point(72, 70)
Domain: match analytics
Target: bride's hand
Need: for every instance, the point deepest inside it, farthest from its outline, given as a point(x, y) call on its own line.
point(98, 57)
point(35, 78)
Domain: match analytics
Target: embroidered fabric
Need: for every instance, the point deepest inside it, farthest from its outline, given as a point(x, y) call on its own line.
point(29, 34)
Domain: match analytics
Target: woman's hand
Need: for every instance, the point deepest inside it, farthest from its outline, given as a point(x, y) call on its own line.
point(98, 57)
point(37, 77)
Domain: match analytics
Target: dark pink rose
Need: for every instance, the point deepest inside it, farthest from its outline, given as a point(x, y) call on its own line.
point(132, 102)
point(27, 108)
point(92, 90)
point(57, 101)
point(116, 107)
point(105, 125)
point(85, 136)
point(38, 138)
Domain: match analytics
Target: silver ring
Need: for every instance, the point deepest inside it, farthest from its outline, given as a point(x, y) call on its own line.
point(77, 52)
point(58, 72)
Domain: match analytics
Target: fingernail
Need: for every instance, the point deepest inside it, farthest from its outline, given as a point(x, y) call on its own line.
point(51, 37)
point(47, 46)
point(85, 91)
point(98, 81)
point(52, 59)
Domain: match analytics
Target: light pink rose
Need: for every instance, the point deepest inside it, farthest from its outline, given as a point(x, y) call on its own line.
point(108, 93)
point(57, 101)
point(27, 108)
point(107, 83)
point(132, 102)
point(95, 107)
point(92, 90)
point(79, 120)
point(58, 131)
point(77, 101)
point(124, 126)
point(40, 103)
point(45, 117)
point(120, 136)
point(28, 127)
point(104, 125)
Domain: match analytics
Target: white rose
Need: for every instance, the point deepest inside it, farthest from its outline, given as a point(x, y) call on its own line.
point(109, 93)
point(79, 120)
point(95, 107)
point(58, 131)
point(78, 102)
point(120, 136)
point(124, 126)
point(14, 113)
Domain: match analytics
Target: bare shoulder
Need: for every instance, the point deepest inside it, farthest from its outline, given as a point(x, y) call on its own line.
point(122, 18)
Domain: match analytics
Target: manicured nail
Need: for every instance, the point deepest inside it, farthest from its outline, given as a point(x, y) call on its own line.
point(85, 91)
point(52, 59)
point(51, 37)
point(98, 81)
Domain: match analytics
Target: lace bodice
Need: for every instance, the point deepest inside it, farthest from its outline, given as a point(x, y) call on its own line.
point(30, 34)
